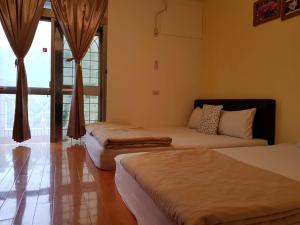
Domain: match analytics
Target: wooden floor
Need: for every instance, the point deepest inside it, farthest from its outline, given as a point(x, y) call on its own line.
point(57, 184)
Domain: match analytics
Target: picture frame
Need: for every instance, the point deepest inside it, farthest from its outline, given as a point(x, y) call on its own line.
point(265, 11)
point(290, 8)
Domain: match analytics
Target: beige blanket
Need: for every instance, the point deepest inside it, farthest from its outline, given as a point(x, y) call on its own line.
point(203, 187)
point(116, 136)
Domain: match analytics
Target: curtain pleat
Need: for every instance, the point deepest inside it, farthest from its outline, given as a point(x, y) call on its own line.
point(79, 21)
point(20, 19)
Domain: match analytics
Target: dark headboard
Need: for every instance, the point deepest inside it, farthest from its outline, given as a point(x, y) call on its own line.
point(264, 121)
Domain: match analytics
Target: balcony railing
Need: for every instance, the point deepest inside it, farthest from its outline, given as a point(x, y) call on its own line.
point(38, 110)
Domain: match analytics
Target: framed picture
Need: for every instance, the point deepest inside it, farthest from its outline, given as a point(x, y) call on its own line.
point(266, 10)
point(290, 8)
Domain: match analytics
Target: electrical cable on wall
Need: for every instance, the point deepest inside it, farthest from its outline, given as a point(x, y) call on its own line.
point(156, 31)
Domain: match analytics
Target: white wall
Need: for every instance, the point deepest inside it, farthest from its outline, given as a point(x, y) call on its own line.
point(132, 50)
point(242, 61)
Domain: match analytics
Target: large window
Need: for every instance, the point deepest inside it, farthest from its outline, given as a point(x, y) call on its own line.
point(38, 69)
point(90, 65)
point(91, 81)
point(37, 61)
point(50, 77)
point(38, 110)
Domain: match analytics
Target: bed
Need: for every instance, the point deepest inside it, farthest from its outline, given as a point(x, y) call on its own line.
point(282, 161)
point(186, 138)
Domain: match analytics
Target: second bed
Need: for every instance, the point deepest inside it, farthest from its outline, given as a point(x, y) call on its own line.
point(186, 138)
point(233, 186)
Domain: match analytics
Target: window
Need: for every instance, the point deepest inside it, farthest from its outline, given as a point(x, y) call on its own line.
point(91, 81)
point(50, 80)
point(38, 69)
point(37, 61)
point(47, 4)
point(89, 64)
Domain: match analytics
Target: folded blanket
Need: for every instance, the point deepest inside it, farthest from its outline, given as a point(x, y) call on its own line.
point(204, 187)
point(116, 136)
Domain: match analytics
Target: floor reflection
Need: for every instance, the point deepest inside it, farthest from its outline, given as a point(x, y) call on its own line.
point(70, 206)
point(57, 184)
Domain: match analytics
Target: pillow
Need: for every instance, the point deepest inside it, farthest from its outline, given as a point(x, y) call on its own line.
point(237, 123)
point(210, 119)
point(194, 121)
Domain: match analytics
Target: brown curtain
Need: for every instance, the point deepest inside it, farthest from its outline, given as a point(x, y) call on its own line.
point(20, 19)
point(79, 20)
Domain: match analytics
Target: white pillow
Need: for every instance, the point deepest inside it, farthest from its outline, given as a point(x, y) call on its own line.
point(237, 123)
point(195, 118)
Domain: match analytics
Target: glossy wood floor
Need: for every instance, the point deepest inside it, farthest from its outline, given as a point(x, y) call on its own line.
point(57, 184)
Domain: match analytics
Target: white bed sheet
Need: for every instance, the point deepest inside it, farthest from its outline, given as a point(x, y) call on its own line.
point(182, 138)
point(281, 159)
point(186, 138)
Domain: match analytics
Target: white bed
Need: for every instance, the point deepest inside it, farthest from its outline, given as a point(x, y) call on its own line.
point(263, 131)
point(182, 138)
point(281, 159)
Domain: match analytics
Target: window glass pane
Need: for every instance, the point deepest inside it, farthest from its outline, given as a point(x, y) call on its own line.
point(68, 72)
point(91, 110)
point(67, 51)
point(68, 80)
point(37, 60)
point(7, 112)
point(39, 115)
point(87, 57)
point(94, 74)
point(89, 64)
point(94, 81)
point(85, 73)
point(86, 64)
point(8, 70)
point(47, 4)
point(90, 75)
point(94, 56)
point(94, 65)
point(66, 111)
point(94, 46)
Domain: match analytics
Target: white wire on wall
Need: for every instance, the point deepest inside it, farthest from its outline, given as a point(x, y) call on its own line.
point(158, 32)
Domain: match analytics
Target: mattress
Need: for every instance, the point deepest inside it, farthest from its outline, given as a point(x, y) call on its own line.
point(281, 159)
point(183, 138)
point(104, 158)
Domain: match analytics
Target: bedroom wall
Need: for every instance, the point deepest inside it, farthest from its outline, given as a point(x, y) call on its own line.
point(242, 61)
point(132, 50)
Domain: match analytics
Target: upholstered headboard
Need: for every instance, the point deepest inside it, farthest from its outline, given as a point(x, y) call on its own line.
point(264, 121)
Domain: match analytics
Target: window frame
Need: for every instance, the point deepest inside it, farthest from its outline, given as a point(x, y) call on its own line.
point(56, 89)
point(59, 89)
